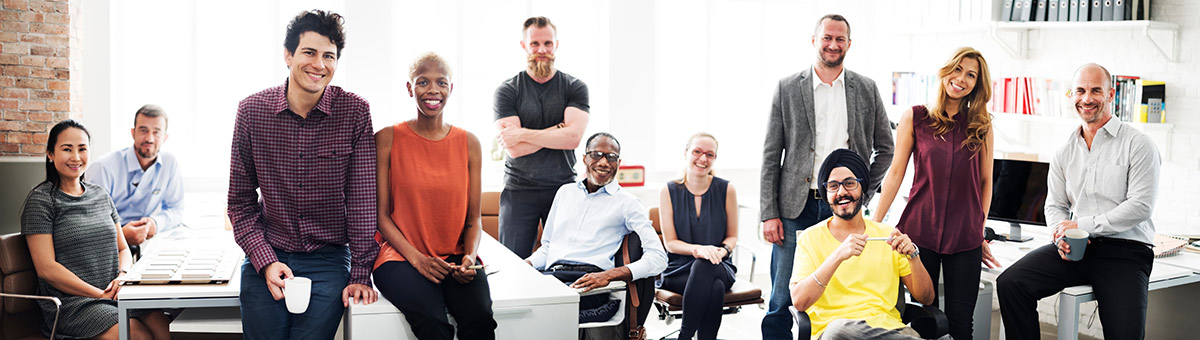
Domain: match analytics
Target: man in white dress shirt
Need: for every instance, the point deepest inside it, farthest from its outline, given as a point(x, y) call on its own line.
point(590, 218)
point(1104, 181)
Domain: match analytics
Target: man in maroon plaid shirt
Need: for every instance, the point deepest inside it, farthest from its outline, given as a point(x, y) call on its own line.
point(302, 188)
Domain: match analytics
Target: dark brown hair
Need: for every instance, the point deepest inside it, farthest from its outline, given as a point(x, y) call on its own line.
point(325, 23)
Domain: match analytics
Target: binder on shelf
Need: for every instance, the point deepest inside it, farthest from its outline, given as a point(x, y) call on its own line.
point(1017, 7)
point(1106, 10)
point(1007, 12)
point(1120, 10)
point(1052, 11)
point(1076, 10)
point(1027, 10)
point(1064, 13)
point(1096, 12)
point(1140, 9)
point(1039, 11)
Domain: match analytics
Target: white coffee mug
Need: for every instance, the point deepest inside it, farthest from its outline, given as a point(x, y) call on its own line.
point(296, 292)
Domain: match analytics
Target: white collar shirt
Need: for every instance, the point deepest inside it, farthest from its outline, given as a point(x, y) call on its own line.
point(832, 125)
point(587, 228)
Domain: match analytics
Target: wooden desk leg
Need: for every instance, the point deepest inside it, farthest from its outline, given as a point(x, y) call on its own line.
point(1068, 316)
point(122, 322)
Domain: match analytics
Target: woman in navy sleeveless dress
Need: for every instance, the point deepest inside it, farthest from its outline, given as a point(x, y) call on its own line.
point(699, 227)
point(950, 143)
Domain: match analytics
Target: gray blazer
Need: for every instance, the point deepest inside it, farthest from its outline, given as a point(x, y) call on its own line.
point(785, 183)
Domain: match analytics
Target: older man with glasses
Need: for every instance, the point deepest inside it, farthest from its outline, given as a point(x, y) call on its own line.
point(585, 227)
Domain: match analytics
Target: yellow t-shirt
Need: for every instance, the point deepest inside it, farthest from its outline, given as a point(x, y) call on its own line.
point(864, 287)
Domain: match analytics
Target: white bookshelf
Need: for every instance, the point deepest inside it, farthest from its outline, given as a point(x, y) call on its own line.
point(1013, 36)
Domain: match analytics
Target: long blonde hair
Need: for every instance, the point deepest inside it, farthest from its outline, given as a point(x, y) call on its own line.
point(979, 121)
point(691, 141)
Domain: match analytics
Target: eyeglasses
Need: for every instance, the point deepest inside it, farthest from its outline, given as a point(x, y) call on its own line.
point(849, 184)
point(710, 155)
point(612, 157)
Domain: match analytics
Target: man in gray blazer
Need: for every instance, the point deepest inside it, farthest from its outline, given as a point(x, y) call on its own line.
point(813, 113)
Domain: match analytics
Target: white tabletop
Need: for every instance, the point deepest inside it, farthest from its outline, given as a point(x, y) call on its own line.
point(1184, 259)
point(514, 283)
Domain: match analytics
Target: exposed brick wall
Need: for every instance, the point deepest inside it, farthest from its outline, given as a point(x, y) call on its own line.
point(35, 87)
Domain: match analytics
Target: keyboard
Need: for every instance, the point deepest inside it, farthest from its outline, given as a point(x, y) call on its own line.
point(186, 266)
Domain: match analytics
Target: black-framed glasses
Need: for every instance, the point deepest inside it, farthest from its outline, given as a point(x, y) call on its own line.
point(612, 157)
point(849, 184)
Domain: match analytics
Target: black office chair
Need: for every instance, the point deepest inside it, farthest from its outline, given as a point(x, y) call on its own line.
point(928, 321)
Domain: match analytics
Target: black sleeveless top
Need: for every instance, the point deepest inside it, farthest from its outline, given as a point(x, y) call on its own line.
point(706, 228)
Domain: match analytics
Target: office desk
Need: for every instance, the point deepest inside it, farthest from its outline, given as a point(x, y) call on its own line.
point(180, 296)
point(525, 303)
point(1168, 272)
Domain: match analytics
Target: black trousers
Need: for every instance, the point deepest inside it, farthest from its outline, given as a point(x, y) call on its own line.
point(960, 289)
point(425, 303)
point(520, 212)
point(1117, 270)
point(703, 298)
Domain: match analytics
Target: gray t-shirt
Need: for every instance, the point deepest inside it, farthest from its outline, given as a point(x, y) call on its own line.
point(540, 106)
point(85, 242)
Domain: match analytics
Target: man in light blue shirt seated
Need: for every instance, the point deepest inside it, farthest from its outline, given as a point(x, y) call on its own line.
point(588, 221)
point(144, 183)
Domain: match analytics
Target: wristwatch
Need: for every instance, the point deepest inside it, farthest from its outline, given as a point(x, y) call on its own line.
point(916, 252)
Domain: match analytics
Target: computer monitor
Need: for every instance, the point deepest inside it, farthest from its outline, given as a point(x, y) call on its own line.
point(1019, 194)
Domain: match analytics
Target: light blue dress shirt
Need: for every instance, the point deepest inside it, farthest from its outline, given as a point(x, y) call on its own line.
point(588, 228)
point(158, 192)
point(1109, 189)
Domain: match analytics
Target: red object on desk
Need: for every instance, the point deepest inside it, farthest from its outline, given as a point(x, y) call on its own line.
point(631, 175)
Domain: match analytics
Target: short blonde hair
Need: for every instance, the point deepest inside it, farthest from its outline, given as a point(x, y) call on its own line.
point(422, 64)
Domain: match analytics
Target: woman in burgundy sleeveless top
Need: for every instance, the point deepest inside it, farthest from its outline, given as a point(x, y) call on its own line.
point(950, 143)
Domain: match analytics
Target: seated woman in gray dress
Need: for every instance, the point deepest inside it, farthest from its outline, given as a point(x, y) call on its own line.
point(699, 228)
point(72, 230)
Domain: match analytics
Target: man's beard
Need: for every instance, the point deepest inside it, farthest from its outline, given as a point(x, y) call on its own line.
point(857, 207)
point(541, 69)
point(150, 154)
point(836, 62)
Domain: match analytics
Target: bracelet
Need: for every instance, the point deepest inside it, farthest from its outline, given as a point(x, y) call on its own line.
point(727, 250)
point(814, 277)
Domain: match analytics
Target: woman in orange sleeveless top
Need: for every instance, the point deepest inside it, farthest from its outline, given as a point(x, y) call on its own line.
point(429, 226)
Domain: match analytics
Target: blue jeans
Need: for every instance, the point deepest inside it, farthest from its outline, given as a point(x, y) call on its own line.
point(777, 324)
point(265, 318)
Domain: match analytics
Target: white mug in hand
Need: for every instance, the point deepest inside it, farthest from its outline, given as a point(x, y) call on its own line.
point(296, 291)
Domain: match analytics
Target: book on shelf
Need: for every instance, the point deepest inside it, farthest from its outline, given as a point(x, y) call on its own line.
point(1139, 100)
point(1029, 96)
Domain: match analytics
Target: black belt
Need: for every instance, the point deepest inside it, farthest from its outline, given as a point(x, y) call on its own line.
point(1120, 240)
point(814, 194)
point(587, 268)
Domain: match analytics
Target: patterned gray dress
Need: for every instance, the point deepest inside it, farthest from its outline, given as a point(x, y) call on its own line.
point(85, 242)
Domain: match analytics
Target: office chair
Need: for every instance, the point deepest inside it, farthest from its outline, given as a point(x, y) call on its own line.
point(20, 318)
point(670, 304)
point(928, 321)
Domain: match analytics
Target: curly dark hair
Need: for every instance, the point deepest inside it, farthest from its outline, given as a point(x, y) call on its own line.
point(325, 23)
